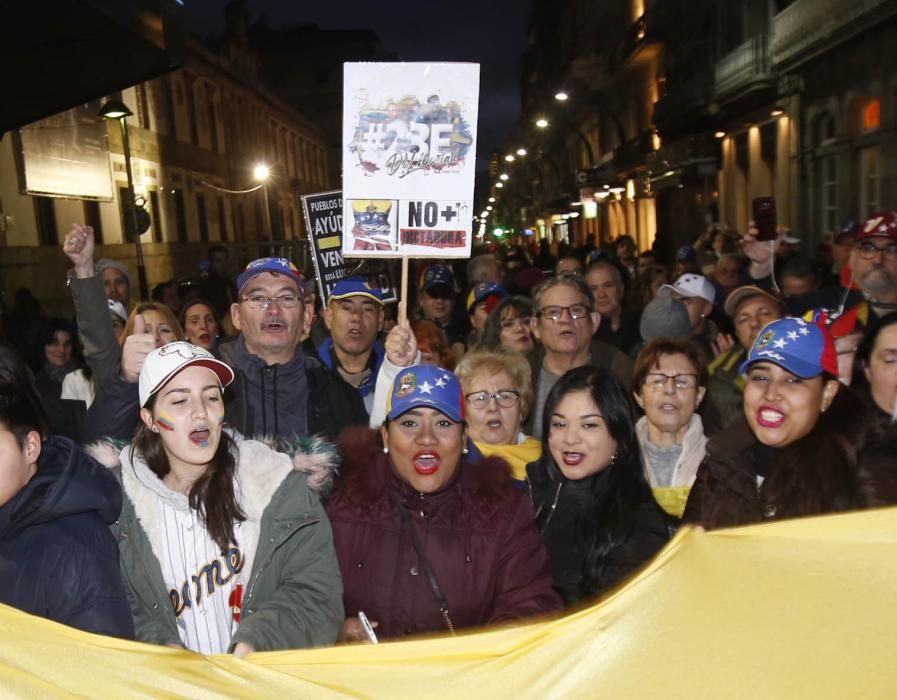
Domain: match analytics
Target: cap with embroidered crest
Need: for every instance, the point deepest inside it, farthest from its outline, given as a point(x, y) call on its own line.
point(437, 276)
point(802, 348)
point(278, 266)
point(355, 287)
point(165, 362)
point(426, 386)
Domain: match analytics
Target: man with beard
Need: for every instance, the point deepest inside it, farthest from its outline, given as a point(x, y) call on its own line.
point(277, 392)
point(871, 280)
point(354, 316)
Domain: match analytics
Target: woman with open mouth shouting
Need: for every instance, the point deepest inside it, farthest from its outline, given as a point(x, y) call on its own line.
point(593, 506)
point(798, 449)
point(224, 546)
point(427, 541)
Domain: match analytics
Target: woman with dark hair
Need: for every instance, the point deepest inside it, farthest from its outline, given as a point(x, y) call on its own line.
point(57, 357)
point(57, 556)
point(200, 326)
point(875, 368)
point(508, 326)
point(795, 451)
point(593, 506)
point(225, 546)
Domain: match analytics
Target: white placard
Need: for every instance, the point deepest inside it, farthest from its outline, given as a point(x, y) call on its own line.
point(409, 158)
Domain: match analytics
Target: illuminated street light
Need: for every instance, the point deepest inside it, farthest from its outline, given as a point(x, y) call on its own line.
point(720, 134)
point(491, 200)
point(489, 208)
point(561, 96)
point(261, 173)
point(542, 122)
point(509, 158)
point(499, 185)
point(503, 177)
point(521, 152)
point(114, 109)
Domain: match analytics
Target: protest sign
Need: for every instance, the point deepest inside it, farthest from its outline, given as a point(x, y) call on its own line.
point(324, 222)
point(409, 156)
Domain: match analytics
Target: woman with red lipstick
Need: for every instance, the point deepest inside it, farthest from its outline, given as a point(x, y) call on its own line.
point(795, 452)
point(225, 546)
point(426, 541)
point(593, 506)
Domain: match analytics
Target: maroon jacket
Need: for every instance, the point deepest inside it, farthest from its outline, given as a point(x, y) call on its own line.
point(478, 534)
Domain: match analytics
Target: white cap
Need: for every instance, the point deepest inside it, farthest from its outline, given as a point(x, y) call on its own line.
point(165, 362)
point(690, 285)
point(117, 308)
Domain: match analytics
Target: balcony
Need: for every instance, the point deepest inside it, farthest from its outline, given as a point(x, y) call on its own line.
point(800, 29)
point(744, 70)
point(683, 105)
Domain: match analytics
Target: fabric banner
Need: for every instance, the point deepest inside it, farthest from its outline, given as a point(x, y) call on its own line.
point(409, 156)
point(798, 609)
point(323, 213)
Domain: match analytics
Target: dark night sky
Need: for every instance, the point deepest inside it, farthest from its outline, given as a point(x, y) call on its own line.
point(489, 32)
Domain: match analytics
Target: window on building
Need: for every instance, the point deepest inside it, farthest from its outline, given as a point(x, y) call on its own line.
point(191, 114)
point(156, 215)
point(241, 221)
point(92, 219)
point(829, 194)
point(143, 113)
point(125, 202)
point(222, 220)
point(869, 182)
point(213, 119)
point(180, 215)
point(866, 114)
point(202, 216)
point(45, 213)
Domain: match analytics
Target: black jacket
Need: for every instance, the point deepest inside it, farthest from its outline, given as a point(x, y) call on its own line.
point(560, 505)
point(58, 558)
point(262, 401)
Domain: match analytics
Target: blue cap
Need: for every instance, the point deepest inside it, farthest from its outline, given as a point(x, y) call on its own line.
point(802, 348)
point(483, 291)
point(280, 266)
point(438, 275)
point(428, 386)
point(688, 253)
point(356, 287)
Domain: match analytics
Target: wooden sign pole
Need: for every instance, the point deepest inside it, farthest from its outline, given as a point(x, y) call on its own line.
point(403, 291)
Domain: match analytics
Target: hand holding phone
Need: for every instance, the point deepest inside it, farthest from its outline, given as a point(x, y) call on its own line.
point(368, 629)
point(764, 209)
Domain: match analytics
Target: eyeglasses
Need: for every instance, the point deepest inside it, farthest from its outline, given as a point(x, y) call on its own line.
point(869, 250)
point(505, 398)
point(658, 381)
point(509, 323)
point(556, 313)
point(284, 301)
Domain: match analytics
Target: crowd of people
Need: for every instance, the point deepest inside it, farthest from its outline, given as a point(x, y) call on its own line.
point(238, 465)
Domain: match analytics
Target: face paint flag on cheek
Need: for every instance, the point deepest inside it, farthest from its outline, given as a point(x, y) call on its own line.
point(165, 421)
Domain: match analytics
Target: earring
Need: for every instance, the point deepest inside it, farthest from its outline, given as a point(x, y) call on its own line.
point(464, 451)
point(385, 450)
point(614, 458)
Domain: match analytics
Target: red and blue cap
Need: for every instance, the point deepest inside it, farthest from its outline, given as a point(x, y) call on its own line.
point(483, 291)
point(426, 386)
point(355, 287)
point(278, 266)
point(802, 348)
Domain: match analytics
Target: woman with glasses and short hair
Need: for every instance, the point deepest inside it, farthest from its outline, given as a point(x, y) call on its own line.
point(498, 394)
point(668, 384)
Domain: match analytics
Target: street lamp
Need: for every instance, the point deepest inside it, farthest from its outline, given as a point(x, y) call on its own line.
point(115, 109)
point(561, 96)
point(491, 200)
point(521, 152)
point(261, 173)
point(503, 177)
point(509, 158)
point(542, 123)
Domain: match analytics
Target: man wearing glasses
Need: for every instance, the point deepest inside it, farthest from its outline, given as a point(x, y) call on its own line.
point(277, 392)
point(564, 323)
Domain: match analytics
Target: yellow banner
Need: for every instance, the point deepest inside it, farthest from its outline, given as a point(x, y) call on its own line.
point(799, 609)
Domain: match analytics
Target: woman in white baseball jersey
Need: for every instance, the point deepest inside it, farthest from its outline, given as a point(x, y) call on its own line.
point(224, 545)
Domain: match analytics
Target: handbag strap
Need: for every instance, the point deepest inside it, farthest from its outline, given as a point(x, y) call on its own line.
point(424, 563)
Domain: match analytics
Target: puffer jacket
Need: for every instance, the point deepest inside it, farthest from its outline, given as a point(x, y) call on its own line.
point(293, 595)
point(58, 559)
point(477, 533)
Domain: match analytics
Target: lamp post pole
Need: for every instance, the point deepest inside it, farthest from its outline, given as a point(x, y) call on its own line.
point(115, 109)
point(132, 210)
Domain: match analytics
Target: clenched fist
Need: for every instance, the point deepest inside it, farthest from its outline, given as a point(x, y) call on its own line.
point(401, 345)
point(79, 247)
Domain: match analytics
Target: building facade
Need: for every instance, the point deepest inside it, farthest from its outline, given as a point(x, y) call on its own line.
point(196, 135)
